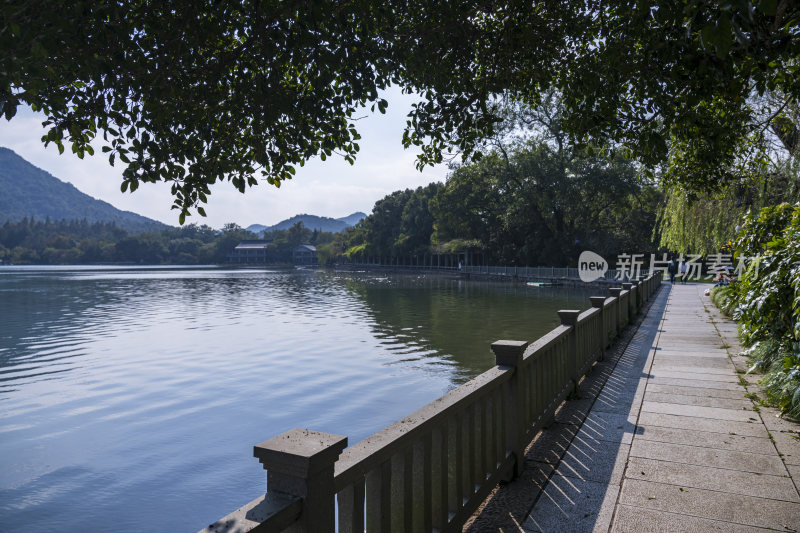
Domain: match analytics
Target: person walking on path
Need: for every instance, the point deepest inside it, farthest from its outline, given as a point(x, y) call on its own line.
point(672, 269)
point(684, 271)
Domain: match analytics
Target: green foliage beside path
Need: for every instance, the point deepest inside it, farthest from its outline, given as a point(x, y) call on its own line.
point(766, 300)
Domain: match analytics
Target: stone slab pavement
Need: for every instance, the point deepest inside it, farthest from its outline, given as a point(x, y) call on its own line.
point(662, 438)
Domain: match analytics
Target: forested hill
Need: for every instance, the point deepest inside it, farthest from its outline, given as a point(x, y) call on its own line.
point(28, 191)
point(312, 222)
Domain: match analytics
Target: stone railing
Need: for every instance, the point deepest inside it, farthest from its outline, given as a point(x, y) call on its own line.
point(432, 469)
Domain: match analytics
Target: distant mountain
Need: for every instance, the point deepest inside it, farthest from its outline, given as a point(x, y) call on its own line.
point(355, 218)
point(28, 191)
point(334, 225)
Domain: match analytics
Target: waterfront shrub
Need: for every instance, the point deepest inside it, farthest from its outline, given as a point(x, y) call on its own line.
point(724, 298)
point(782, 384)
point(766, 300)
point(355, 251)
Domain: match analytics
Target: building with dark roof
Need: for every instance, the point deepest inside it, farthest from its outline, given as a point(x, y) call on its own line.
point(247, 252)
point(305, 254)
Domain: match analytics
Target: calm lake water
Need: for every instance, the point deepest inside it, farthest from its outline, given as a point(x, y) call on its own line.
point(131, 398)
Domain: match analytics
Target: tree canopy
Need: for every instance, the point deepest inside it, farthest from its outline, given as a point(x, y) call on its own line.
point(528, 205)
point(196, 92)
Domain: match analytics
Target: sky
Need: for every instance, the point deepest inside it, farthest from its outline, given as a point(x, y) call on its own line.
point(330, 188)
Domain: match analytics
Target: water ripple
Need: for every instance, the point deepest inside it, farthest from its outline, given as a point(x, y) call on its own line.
point(133, 396)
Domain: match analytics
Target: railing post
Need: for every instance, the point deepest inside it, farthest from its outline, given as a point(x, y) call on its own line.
point(614, 291)
point(634, 300)
point(509, 354)
point(639, 295)
point(599, 302)
point(300, 463)
point(631, 311)
point(569, 317)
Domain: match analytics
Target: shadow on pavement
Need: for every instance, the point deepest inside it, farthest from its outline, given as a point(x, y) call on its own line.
point(574, 468)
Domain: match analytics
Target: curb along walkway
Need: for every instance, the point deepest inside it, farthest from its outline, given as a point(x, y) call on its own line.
point(662, 438)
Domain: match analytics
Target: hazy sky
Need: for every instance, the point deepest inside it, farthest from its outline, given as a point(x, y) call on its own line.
point(327, 188)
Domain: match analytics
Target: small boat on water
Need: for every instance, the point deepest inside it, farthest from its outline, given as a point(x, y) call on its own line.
point(544, 283)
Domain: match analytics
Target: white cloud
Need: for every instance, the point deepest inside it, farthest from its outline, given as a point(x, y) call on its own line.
point(330, 188)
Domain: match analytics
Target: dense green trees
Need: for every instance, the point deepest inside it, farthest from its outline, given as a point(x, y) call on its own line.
point(529, 205)
point(377, 234)
point(704, 222)
point(543, 207)
point(766, 299)
point(198, 92)
point(417, 221)
point(75, 242)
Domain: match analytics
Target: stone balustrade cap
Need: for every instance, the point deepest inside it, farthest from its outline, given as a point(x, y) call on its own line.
point(627, 286)
point(615, 291)
point(509, 353)
point(597, 301)
point(569, 317)
point(300, 452)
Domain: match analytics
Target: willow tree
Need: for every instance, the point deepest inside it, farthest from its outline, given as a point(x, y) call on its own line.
point(193, 92)
point(704, 222)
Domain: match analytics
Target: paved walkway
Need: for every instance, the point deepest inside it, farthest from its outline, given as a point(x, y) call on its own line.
point(663, 438)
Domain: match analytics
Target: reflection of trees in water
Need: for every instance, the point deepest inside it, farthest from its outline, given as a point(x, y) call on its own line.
point(49, 315)
point(456, 319)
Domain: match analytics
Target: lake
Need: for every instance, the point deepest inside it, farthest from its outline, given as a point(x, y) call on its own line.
point(131, 398)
